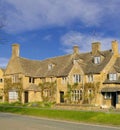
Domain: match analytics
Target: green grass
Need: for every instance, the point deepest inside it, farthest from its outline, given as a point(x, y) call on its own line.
point(71, 115)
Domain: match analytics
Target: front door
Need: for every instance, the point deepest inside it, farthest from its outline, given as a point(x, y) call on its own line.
point(61, 97)
point(26, 96)
point(114, 99)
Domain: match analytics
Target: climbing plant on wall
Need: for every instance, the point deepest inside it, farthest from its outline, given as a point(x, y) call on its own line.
point(90, 91)
point(69, 91)
point(48, 90)
point(8, 85)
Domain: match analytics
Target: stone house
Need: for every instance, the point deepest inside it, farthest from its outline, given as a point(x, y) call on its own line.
point(92, 77)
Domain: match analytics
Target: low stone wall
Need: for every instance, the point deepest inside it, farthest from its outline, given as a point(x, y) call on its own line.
point(76, 107)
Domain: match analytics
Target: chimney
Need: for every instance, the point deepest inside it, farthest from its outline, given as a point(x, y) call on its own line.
point(96, 46)
point(75, 50)
point(115, 47)
point(15, 50)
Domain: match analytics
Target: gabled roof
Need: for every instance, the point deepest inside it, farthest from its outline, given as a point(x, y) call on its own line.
point(62, 65)
point(91, 67)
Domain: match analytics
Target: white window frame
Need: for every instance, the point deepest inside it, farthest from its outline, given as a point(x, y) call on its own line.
point(64, 80)
point(13, 95)
point(76, 95)
point(31, 80)
point(108, 95)
point(50, 66)
point(76, 78)
point(90, 78)
point(15, 78)
point(112, 76)
point(97, 59)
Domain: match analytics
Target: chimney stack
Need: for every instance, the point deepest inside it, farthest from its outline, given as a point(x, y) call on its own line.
point(15, 50)
point(115, 47)
point(96, 46)
point(75, 50)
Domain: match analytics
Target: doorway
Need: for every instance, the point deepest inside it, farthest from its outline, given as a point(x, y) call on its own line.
point(61, 97)
point(26, 97)
point(114, 99)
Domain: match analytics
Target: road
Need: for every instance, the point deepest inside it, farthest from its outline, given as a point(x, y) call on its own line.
point(18, 122)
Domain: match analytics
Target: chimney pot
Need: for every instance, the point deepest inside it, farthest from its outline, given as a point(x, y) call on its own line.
point(75, 49)
point(96, 46)
point(15, 50)
point(115, 47)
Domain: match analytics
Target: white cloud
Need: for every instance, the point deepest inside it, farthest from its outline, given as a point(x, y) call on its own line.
point(84, 41)
point(25, 15)
point(3, 62)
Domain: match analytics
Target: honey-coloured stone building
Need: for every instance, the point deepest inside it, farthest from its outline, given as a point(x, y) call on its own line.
point(92, 77)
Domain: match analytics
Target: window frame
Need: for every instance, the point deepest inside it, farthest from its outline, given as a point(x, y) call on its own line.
point(76, 95)
point(31, 80)
point(107, 95)
point(76, 78)
point(90, 78)
point(97, 59)
point(13, 95)
point(112, 76)
point(64, 80)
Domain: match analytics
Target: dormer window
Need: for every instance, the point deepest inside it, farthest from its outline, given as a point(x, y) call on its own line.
point(50, 66)
point(112, 76)
point(97, 59)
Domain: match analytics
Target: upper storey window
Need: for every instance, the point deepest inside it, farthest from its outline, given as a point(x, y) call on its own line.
point(50, 66)
point(112, 76)
point(97, 59)
point(90, 78)
point(31, 80)
point(15, 78)
point(76, 78)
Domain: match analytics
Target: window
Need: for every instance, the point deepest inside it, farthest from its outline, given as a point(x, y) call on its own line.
point(76, 78)
point(97, 60)
point(13, 95)
point(47, 93)
point(107, 95)
point(15, 78)
point(112, 76)
point(50, 66)
point(1, 80)
point(64, 80)
point(76, 95)
point(90, 92)
point(31, 80)
point(90, 78)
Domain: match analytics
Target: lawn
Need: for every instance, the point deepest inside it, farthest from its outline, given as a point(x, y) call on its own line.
point(71, 115)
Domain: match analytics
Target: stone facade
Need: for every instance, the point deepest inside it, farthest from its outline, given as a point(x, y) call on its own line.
point(92, 77)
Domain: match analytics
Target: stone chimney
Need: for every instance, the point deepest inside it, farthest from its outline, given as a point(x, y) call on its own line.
point(75, 50)
point(115, 47)
point(15, 50)
point(96, 46)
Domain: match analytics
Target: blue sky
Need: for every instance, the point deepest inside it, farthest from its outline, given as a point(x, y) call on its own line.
point(49, 28)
